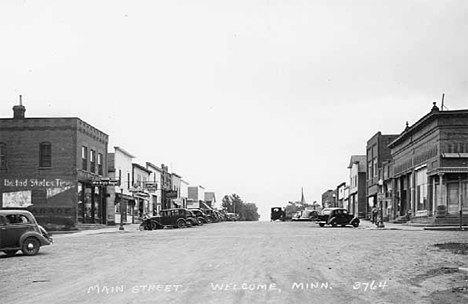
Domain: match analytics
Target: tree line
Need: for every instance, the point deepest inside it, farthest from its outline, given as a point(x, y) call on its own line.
point(246, 211)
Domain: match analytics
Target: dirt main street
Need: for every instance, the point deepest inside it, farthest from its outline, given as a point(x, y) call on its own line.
point(241, 262)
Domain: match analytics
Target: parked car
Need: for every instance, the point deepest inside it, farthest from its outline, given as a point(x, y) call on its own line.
point(201, 216)
point(277, 213)
point(212, 216)
point(337, 216)
point(296, 215)
point(232, 217)
point(177, 217)
point(192, 219)
point(151, 223)
point(19, 230)
point(307, 215)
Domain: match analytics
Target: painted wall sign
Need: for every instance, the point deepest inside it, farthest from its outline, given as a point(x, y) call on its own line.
point(18, 199)
point(37, 183)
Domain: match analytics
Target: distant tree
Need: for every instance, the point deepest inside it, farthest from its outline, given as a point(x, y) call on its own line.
point(250, 212)
point(246, 211)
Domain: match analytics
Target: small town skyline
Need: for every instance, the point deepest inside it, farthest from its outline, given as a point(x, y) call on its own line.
point(258, 99)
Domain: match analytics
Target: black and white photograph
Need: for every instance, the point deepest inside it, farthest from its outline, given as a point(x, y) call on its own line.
point(220, 151)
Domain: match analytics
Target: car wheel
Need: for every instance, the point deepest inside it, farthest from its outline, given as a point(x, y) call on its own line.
point(153, 226)
point(142, 227)
point(200, 222)
point(10, 252)
point(334, 224)
point(30, 246)
point(355, 224)
point(321, 224)
point(181, 224)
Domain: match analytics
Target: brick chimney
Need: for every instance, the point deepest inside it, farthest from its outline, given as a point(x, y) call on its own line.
point(18, 111)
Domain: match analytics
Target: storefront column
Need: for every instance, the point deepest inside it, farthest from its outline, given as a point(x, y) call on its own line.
point(434, 198)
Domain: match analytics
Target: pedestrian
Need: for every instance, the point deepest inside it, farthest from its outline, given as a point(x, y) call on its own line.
point(374, 215)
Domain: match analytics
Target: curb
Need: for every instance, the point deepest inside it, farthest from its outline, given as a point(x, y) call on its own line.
point(446, 228)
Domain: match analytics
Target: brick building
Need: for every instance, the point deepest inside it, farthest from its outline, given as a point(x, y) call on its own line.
point(377, 153)
point(48, 165)
point(430, 167)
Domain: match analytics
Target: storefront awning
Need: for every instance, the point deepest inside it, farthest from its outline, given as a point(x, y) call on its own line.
point(447, 170)
point(124, 196)
point(454, 155)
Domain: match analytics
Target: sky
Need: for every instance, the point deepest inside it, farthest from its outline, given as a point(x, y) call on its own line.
point(257, 98)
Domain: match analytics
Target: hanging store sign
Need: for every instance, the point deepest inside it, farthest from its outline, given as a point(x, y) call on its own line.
point(106, 183)
point(171, 194)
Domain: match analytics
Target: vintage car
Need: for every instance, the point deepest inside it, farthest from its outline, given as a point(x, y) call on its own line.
point(307, 215)
point(296, 216)
point(277, 213)
point(20, 231)
point(200, 215)
point(177, 217)
point(192, 219)
point(232, 217)
point(335, 217)
point(212, 216)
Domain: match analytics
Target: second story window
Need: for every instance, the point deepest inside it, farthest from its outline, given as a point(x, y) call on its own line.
point(84, 158)
point(99, 163)
point(92, 161)
point(45, 155)
point(2, 156)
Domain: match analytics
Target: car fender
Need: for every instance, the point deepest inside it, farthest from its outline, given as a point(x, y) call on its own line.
point(354, 219)
point(36, 235)
point(330, 220)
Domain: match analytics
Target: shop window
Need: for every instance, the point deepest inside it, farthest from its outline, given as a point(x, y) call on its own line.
point(84, 158)
point(421, 190)
point(3, 156)
point(45, 155)
point(92, 161)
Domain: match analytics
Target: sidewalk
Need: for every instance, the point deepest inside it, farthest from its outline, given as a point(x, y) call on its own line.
point(366, 224)
point(108, 229)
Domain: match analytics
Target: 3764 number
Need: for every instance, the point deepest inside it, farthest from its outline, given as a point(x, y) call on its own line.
point(373, 285)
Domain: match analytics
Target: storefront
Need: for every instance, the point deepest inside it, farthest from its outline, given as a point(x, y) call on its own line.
point(91, 203)
point(124, 208)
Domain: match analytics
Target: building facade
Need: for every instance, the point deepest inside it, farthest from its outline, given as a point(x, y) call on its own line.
point(184, 192)
point(154, 187)
point(177, 201)
point(430, 167)
point(120, 196)
point(166, 188)
point(51, 166)
point(143, 207)
point(340, 192)
point(210, 199)
point(196, 197)
point(377, 153)
point(357, 185)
